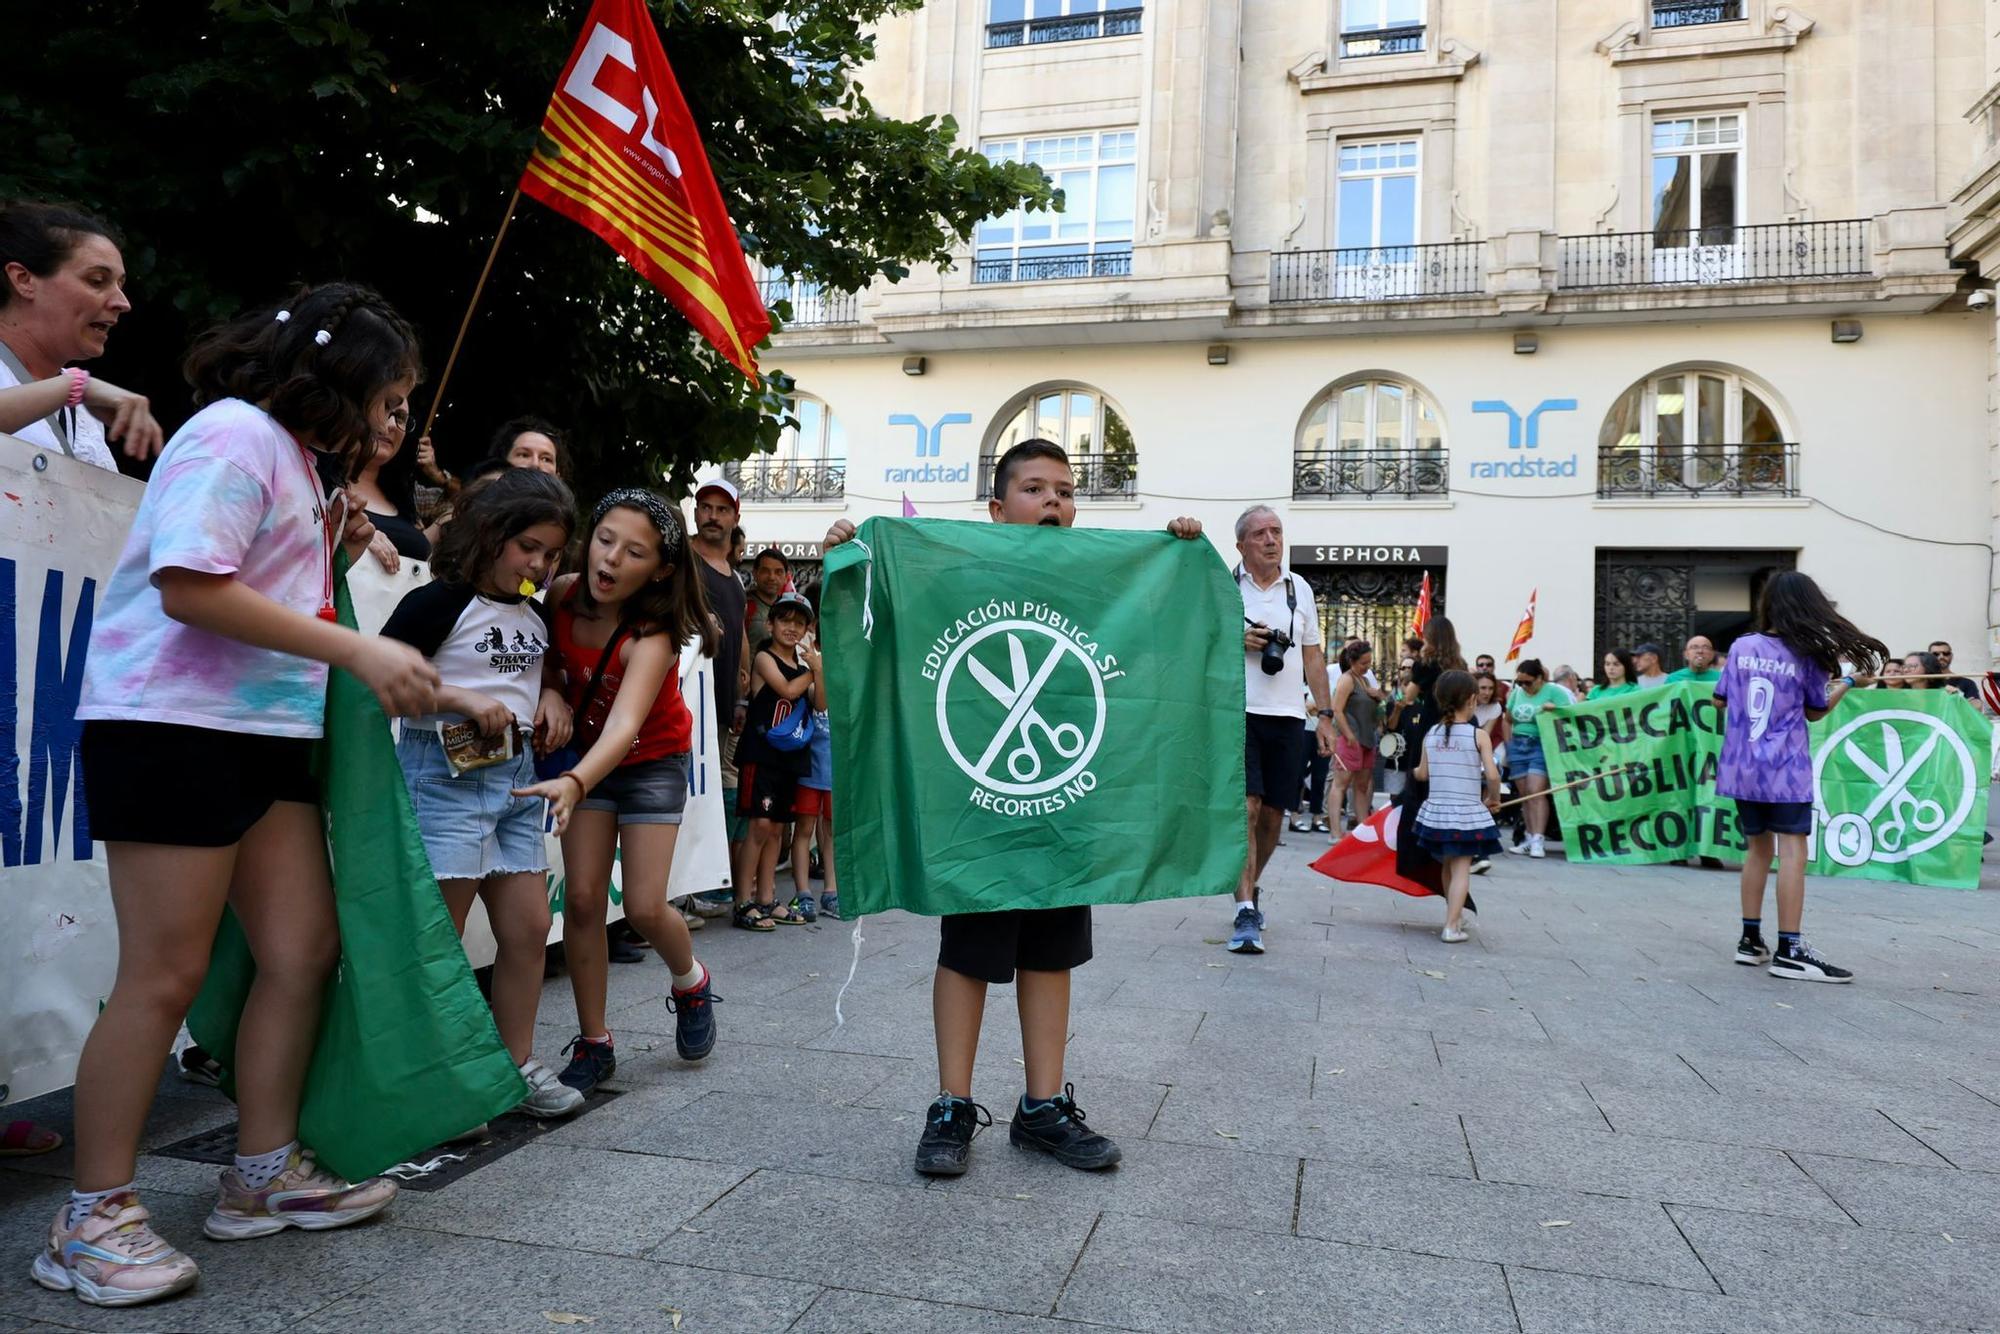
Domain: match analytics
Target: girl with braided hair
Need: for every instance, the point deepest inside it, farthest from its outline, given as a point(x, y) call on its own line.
point(204, 690)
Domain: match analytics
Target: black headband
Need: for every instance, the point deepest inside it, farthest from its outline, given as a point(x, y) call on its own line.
point(664, 517)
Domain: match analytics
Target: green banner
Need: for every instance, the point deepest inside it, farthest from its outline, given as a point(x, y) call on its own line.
point(1032, 717)
point(1900, 782)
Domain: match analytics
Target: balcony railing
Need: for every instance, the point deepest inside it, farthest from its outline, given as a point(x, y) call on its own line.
point(1402, 41)
point(1097, 476)
point(1370, 474)
point(1070, 28)
point(1379, 273)
point(1694, 13)
point(1031, 268)
point(811, 304)
point(1699, 471)
point(1712, 256)
point(770, 480)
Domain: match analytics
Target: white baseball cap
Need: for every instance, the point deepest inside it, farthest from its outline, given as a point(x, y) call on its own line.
point(726, 487)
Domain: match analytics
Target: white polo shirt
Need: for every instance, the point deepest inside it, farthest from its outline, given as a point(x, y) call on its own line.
point(1278, 696)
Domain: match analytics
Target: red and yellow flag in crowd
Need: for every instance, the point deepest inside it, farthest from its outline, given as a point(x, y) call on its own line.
point(1422, 619)
point(1525, 630)
point(620, 155)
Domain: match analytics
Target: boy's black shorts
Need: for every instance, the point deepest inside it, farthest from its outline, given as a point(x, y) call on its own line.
point(989, 946)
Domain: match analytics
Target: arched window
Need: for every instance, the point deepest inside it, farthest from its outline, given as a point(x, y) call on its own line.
point(810, 463)
point(1371, 435)
point(1696, 430)
point(1089, 427)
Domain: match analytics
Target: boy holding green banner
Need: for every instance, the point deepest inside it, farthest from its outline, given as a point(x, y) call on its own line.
point(1012, 858)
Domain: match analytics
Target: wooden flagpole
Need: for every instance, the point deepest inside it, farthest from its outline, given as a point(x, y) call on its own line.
point(478, 289)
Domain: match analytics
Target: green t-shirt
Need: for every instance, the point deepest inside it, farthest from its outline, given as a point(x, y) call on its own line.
point(1610, 692)
point(1525, 709)
point(1709, 677)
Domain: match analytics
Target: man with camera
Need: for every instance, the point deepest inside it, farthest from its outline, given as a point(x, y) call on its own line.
point(1280, 639)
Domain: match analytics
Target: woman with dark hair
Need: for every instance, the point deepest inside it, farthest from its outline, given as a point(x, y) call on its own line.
point(1354, 715)
point(387, 485)
point(62, 289)
point(1924, 671)
point(1621, 676)
point(1532, 695)
point(530, 442)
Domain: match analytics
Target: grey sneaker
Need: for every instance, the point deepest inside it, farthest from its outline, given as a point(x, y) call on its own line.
point(547, 1096)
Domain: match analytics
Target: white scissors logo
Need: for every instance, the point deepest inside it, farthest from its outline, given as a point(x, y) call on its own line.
point(1914, 824)
point(1032, 754)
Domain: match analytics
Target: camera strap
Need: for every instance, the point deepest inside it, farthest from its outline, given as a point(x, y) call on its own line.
point(1291, 600)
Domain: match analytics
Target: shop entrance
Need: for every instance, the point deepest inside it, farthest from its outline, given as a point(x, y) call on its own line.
point(1370, 592)
point(1666, 596)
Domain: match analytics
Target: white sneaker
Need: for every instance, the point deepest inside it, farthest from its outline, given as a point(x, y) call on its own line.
point(695, 921)
point(1537, 847)
point(1454, 935)
point(1481, 865)
point(1522, 848)
point(547, 1096)
point(1301, 825)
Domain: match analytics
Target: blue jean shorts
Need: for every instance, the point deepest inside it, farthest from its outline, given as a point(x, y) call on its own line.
point(1524, 756)
point(473, 825)
point(649, 792)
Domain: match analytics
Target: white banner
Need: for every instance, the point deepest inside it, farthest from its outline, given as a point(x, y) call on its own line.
point(62, 525)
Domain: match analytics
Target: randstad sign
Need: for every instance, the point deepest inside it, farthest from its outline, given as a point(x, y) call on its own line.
point(1524, 433)
point(929, 445)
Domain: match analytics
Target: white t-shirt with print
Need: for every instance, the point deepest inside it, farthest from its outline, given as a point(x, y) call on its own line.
point(86, 433)
point(1278, 696)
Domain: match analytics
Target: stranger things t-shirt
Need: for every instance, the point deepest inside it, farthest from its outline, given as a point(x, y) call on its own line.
point(1766, 752)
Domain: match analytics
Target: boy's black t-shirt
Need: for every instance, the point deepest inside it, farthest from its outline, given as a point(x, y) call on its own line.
point(767, 711)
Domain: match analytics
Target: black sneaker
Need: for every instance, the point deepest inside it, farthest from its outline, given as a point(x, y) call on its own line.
point(949, 1126)
point(694, 1018)
point(590, 1064)
point(1058, 1130)
point(1751, 950)
point(1800, 963)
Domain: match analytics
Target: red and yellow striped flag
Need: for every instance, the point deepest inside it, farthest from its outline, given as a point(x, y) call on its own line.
point(1525, 630)
point(620, 156)
point(1422, 619)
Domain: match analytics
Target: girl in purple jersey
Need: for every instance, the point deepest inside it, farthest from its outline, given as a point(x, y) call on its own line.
point(1773, 684)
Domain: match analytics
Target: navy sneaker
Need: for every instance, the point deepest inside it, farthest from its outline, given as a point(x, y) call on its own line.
point(694, 1018)
point(803, 904)
point(1248, 937)
point(946, 1143)
point(829, 906)
point(590, 1064)
point(1057, 1128)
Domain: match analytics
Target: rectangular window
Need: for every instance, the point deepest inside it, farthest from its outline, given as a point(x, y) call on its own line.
point(1697, 180)
point(1091, 237)
point(1381, 27)
point(1031, 22)
point(1375, 204)
point(1695, 13)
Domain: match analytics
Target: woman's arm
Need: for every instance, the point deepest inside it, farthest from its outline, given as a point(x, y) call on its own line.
point(1342, 690)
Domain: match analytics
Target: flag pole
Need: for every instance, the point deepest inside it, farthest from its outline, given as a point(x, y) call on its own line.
point(478, 289)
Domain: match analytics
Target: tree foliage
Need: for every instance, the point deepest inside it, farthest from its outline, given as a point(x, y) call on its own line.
point(247, 145)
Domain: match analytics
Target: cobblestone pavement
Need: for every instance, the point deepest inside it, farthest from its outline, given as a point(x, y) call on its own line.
point(1588, 1118)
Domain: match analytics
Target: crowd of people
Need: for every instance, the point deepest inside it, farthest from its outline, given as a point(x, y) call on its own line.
point(535, 679)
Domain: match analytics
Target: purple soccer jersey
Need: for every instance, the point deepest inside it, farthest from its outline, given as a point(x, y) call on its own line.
point(1766, 754)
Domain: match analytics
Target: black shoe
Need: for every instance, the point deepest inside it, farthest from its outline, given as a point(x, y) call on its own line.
point(1751, 950)
point(1801, 964)
point(1058, 1130)
point(619, 941)
point(949, 1126)
point(590, 1064)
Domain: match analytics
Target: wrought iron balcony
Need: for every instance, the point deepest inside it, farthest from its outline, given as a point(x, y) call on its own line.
point(1379, 273)
point(1098, 476)
point(1695, 471)
point(1069, 28)
point(1695, 13)
point(1370, 474)
point(1030, 268)
point(811, 304)
point(768, 479)
point(1714, 256)
point(1407, 39)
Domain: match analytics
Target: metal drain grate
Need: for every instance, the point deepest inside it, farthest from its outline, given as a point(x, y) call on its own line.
point(447, 1162)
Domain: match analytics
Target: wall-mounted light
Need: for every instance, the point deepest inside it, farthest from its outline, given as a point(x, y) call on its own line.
point(1847, 331)
point(1218, 354)
point(913, 365)
point(1527, 344)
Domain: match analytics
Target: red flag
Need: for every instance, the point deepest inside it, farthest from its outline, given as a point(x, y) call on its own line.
point(1989, 690)
point(619, 155)
point(1368, 856)
point(1423, 616)
point(1525, 630)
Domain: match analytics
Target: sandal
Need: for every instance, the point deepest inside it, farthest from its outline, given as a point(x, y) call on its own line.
point(25, 1139)
point(785, 915)
point(751, 918)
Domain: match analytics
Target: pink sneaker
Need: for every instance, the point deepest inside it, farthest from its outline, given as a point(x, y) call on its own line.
point(112, 1257)
point(304, 1195)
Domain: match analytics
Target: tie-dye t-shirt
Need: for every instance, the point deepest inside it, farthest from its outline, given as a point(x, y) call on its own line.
point(1767, 688)
point(232, 494)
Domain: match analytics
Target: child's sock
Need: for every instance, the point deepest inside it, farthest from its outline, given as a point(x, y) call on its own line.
point(1753, 926)
point(1788, 940)
point(82, 1202)
point(692, 978)
point(259, 1170)
point(1032, 1107)
point(602, 1039)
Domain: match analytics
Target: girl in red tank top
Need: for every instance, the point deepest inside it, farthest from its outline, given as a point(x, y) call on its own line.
point(619, 628)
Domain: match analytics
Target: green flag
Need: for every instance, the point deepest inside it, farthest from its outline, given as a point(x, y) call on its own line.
point(1032, 717)
point(407, 1051)
point(1900, 788)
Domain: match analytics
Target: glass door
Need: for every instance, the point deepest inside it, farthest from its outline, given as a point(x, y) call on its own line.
point(1697, 199)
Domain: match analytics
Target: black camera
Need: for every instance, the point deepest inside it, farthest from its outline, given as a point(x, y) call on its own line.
point(1275, 649)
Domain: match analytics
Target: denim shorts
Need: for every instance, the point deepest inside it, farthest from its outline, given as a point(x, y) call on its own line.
point(473, 825)
point(649, 792)
point(1524, 756)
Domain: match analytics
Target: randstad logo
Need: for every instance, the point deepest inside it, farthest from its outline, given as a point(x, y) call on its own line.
point(1524, 433)
point(1020, 705)
point(930, 443)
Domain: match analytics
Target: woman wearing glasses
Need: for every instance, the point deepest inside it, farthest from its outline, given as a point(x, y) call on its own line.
point(387, 486)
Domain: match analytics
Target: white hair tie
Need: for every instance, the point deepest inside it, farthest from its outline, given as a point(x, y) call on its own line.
point(283, 315)
point(323, 337)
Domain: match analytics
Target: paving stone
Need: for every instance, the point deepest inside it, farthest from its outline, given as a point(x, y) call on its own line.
point(905, 1241)
point(1967, 1139)
point(1905, 1275)
point(1640, 1167)
point(1175, 1276)
point(749, 1131)
point(1413, 1139)
point(1934, 1200)
point(839, 1312)
point(1474, 1220)
point(1652, 1069)
point(1856, 1132)
point(1553, 1303)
